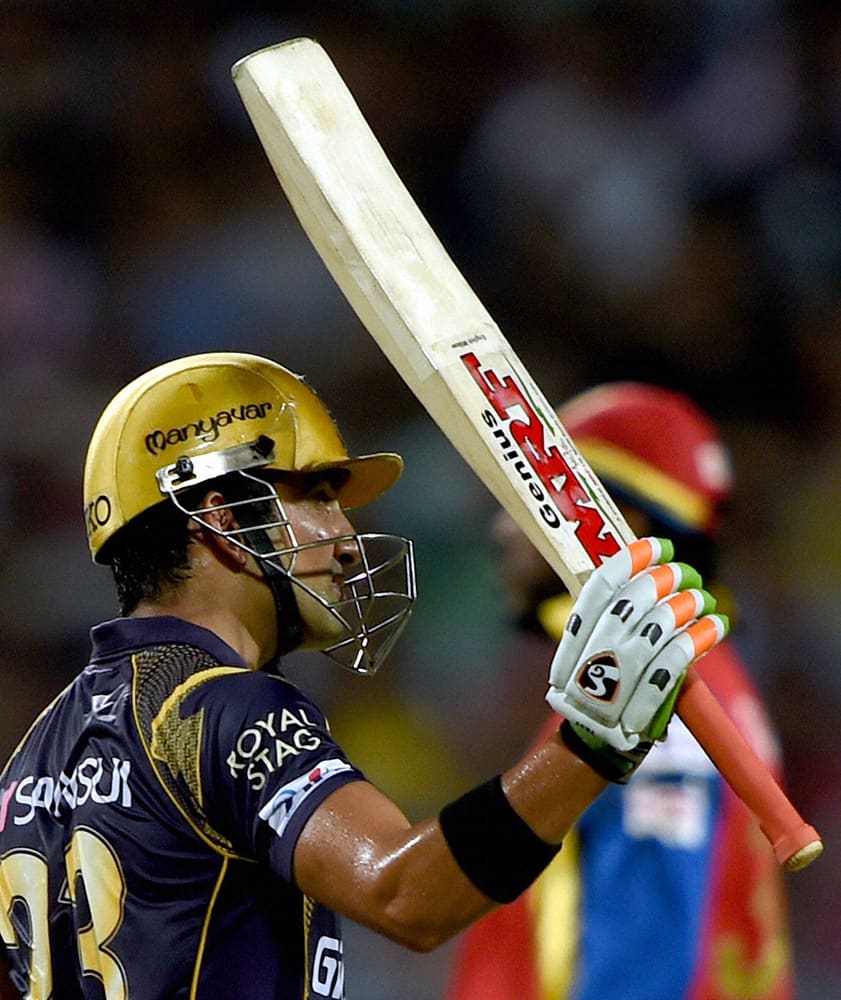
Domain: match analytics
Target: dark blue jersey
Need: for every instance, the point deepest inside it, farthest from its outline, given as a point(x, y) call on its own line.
point(148, 822)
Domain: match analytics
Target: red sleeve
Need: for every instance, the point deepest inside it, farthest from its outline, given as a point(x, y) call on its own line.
point(495, 959)
point(745, 949)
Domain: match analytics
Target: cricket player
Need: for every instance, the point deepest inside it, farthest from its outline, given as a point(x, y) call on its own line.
point(180, 821)
point(701, 914)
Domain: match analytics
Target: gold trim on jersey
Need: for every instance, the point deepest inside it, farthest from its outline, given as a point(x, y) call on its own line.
point(177, 741)
point(308, 910)
point(223, 871)
point(157, 746)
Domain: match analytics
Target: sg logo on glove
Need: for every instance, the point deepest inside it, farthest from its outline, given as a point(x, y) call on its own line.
point(599, 677)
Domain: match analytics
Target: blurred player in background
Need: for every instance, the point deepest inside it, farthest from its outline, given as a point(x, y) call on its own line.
point(702, 914)
point(180, 822)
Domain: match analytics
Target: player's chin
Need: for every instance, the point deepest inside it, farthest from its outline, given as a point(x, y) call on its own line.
point(321, 626)
point(321, 639)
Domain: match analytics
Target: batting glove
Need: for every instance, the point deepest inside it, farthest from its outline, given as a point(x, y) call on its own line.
point(639, 622)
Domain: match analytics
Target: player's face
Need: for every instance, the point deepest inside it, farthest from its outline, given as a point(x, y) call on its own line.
point(315, 516)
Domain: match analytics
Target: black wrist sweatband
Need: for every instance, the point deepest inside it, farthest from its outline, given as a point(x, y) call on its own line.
point(496, 849)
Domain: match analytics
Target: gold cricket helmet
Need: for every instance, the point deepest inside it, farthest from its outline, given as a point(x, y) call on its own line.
point(195, 418)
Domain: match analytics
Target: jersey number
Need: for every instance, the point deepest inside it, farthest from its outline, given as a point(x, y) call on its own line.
point(93, 869)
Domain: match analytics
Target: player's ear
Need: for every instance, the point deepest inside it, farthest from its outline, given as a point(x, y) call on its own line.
point(212, 525)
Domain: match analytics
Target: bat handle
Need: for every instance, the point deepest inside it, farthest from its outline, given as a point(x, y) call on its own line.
point(795, 843)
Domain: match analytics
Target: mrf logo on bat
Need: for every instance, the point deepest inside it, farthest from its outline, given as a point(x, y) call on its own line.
point(521, 434)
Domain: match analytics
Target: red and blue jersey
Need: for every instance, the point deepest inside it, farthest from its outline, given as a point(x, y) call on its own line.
point(666, 888)
point(148, 823)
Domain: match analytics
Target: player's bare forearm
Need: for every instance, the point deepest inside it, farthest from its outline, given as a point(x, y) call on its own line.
point(532, 789)
point(362, 857)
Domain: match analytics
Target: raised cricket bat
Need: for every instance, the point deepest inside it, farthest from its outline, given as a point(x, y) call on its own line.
point(430, 324)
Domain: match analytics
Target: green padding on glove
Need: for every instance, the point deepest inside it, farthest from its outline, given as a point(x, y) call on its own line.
point(612, 765)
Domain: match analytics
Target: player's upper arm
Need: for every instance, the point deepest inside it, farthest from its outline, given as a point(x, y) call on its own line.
point(359, 855)
point(267, 761)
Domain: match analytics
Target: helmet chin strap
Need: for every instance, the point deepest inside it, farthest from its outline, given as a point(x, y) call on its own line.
point(290, 626)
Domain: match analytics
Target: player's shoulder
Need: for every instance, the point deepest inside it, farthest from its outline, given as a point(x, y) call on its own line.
point(241, 682)
point(238, 694)
point(190, 694)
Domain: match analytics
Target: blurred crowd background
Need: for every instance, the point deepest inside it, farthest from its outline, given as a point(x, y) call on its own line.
point(636, 189)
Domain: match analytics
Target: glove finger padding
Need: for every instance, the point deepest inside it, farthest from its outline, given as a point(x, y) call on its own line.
point(650, 706)
point(624, 670)
point(602, 585)
point(638, 623)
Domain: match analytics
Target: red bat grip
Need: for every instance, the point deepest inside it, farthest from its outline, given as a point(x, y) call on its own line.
point(795, 843)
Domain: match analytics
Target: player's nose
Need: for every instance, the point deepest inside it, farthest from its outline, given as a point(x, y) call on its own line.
point(346, 546)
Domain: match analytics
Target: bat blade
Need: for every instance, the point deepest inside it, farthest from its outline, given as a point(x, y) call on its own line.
point(432, 327)
point(419, 308)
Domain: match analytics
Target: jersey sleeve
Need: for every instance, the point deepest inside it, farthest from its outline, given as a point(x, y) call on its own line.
point(267, 761)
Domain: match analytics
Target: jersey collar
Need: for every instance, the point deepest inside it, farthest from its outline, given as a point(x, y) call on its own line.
point(121, 635)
